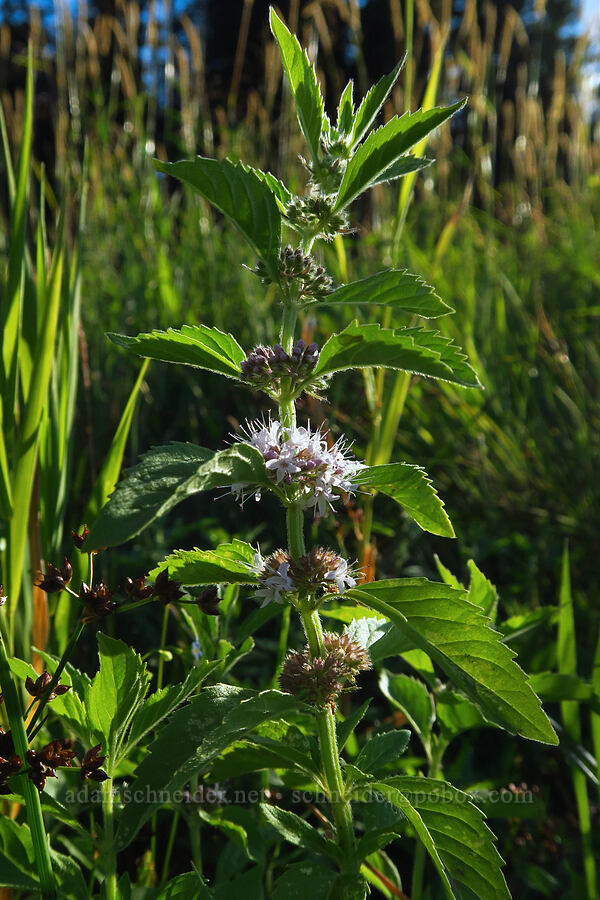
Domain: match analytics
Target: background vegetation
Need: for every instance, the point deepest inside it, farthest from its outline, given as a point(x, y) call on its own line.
point(504, 224)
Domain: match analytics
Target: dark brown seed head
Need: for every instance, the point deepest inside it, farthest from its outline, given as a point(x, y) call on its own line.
point(53, 581)
point(90, 766)
point(137, 589)
point(167, 591)
point(56, 753)
point(79, 539)
point(97, 602)
point(208, 601)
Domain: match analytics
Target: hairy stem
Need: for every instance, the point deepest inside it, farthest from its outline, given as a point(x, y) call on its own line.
point(110, 857)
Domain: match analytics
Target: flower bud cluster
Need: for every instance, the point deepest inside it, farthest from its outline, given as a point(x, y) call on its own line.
point(308, 280)
point(299, 461)
point(321, 680)
point(264, 367)
point(315, 574)
point(314, 213)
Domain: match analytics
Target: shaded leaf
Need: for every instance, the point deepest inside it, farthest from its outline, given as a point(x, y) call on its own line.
point(412, 698)
point(17, 863)
point(192, 345)
point(164, 477)
point(381, 750)
point(397, 288)
point(346, 728)
point(299, 832)
point(292, 885)
point(241, 195)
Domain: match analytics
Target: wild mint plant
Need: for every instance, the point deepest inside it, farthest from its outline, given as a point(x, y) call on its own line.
point(224, 730)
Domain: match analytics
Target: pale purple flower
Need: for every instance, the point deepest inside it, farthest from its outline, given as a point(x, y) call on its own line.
point(341, 576)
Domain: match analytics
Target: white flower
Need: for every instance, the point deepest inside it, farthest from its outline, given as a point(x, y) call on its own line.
point(341, 576)
point(301, 463)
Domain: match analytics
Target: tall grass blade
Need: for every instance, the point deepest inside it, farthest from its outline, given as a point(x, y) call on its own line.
point(567, 665)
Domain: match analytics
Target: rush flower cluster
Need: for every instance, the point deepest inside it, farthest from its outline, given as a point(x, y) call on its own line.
point(300, 461)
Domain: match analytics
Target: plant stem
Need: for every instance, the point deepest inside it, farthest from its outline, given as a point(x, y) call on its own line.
point(33, 805)
point(169, 850)
point(163, 639)
point(55, 679)
point(110, 863)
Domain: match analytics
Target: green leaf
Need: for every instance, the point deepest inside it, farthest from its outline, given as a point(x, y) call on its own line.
point(292, 885)
point(345, 110)
point(298, 831)
point(303, 84)
point(373, 101)
point(482, 592)
point(115, 693)
point(240, 194)
point(396, 288)
point(164, 477)
point(188, 886)
point(162, 703)
point(192, 345)
point(406, 165)
point(456, 714)
point(385, 146)
point(382, 750)
point(411, 487)
point(346, 728)
point(458, 637)
point(446, 575)
point(227, 564)
point(192, 739)
point(409, 349)
point(412, 698)
point(454, 833)
point(281, 193)
point(17, 862)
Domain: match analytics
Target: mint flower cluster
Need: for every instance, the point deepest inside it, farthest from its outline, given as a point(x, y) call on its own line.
point(300, 461)
point(317, 573)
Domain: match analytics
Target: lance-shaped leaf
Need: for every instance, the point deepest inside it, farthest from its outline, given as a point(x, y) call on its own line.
point(406, 165)
point(164, 477)
point(408, 349)
point(457, 636)
point(303, 83)
point(299, 832)
point(411, 697)
point(192, 345)
point(345, 110)
point(241, 195)
point(226, 564)
point(373, 101)
point(385, 146)
point(281, 193)
point(411, 488)
point(396, 288)
point(453, 831)
point(195, 735)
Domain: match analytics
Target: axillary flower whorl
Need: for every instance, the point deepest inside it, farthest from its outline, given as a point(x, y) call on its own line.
point(320, 680)
point(320, 572)
point(299, 461)
point(264, 367)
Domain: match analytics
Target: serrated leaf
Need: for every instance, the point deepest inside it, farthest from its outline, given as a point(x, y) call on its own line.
point(482, 592)
point(373, 101)
point(188, 886)
point(411, 487)
point(406, 165)
point(385, 146)
point(191, 345)
point(374, 841)
point(164, 477)
point(408, 349)
point(345, 110)
point(382, 750)
point(240, 194)
point(282, 194)
point(457, 636)
point(115, 693)
point(396, 288)
point(413, 699)
point(162, 703)
point(299, 832)
point(226, 564)
point(454, 833)
point(303, 84)
point(194, 737)
point(456, 714)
